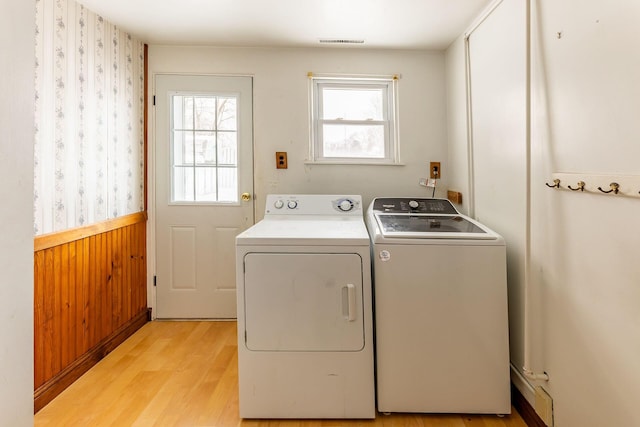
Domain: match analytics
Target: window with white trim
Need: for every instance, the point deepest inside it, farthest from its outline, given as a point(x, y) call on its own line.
point(353, 120)
point(204, 148)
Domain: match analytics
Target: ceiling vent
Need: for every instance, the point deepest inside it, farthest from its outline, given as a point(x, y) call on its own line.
point(341, 41)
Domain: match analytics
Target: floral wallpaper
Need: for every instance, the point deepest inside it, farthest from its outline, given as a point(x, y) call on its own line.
point(89, 106)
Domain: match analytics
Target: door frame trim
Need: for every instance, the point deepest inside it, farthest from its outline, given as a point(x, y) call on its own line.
point(151, 172)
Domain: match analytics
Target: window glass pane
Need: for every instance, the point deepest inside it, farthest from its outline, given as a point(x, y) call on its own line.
point(182, 112)
point(228, 184)
point(227, 113)
point(352, 104)
point(205, 148)
point(361, 141)
point(206, 184)
point(182, 148)
point(182, 184)
point(228, 148)
point(205, 112)
point(204, 138)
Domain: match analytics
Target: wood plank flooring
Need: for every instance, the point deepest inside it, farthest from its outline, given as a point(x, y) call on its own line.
point(186, 374)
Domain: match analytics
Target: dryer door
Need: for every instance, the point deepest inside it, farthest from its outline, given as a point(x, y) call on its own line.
point(303, 302)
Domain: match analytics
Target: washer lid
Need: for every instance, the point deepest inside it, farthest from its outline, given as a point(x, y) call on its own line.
point(432, 227)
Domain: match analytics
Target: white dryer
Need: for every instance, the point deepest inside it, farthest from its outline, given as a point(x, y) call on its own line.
point(305, 335)
point(442, 343)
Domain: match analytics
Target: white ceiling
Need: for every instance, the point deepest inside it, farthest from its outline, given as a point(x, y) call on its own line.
point(397, 24)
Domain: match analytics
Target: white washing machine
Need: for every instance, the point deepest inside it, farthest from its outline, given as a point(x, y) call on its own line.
point(440, 290)
point(305, 322)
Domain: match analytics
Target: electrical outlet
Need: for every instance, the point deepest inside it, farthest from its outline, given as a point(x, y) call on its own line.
point(544, 406)
point(434, 170)
point(281, 159)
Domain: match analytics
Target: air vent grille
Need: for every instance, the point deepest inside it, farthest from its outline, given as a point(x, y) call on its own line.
point(342, 41)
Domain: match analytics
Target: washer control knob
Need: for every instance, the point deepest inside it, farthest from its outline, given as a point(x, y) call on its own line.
point(278, 204)
point(413, 204)
point(292, 204)
point(346, 205)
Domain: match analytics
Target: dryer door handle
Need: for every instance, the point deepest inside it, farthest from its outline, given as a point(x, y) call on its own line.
point(351, 301)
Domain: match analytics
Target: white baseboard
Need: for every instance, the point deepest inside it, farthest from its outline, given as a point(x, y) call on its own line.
point(523, 386)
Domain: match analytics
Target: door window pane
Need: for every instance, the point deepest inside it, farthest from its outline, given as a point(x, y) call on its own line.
point(206, 187)
point(228, 148)
point(227, 114)
point(204, 148)
point(183, 184)
point(182, 112)
point(182, 148)
point(204, 112)
point(227, 184)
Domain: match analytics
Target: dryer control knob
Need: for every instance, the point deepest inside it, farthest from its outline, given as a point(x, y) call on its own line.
point(278, 204)
point(292, 204)
point(345, 205)
point(413, 204)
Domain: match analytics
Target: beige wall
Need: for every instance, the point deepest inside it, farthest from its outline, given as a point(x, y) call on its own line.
point(281, 114)
point(457, 147)
point(16, 212)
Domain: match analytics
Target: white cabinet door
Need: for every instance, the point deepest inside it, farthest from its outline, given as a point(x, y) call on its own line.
point(303, 302)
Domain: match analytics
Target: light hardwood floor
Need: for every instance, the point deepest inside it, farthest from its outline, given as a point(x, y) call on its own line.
point(185, 374)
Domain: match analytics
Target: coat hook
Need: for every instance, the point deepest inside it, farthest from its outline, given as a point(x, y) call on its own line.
point(614, 188)
point(556, 183)
point(581, 185)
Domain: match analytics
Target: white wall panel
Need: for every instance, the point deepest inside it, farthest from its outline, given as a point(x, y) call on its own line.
point(17, 42)
point(498, 69)
point(585, 110)
point(584, 274)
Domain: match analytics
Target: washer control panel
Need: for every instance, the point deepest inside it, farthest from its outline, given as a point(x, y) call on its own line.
point(414, 205)
point(313, 204)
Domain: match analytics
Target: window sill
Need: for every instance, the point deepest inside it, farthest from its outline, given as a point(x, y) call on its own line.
point(352, 163)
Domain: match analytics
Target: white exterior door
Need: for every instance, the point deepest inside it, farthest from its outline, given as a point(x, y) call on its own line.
point(203, 191)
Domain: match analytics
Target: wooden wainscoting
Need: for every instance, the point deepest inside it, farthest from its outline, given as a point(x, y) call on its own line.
point(90, 295)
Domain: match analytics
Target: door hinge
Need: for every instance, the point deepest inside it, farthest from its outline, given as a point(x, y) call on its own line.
point(155, 279)
point(154, 100)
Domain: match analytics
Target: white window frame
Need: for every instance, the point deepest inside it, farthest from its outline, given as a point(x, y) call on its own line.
point(388, 84)
point(172, 198)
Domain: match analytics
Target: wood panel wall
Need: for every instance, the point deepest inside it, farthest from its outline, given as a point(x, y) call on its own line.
point(90, 295)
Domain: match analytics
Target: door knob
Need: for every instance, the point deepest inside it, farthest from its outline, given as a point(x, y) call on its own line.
point(246, 197)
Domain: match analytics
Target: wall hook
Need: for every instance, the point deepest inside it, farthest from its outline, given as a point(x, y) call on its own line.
point(556, 184)
point(614, 188)
point(581, 185)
